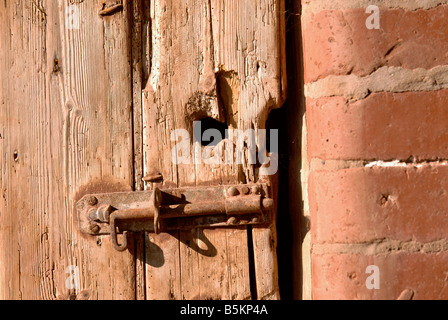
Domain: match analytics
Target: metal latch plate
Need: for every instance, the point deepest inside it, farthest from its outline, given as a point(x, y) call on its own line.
point(183, 208)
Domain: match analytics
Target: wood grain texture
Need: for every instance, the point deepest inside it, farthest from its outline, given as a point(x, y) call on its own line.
point(181, 87)
point(249, 45)
point(66, 128)
point(223, 60)
point(72, 122)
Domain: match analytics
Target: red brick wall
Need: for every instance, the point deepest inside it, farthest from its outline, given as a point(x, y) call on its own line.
point(377, 121)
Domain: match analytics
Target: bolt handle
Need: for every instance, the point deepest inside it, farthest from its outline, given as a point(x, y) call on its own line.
point(134, 214)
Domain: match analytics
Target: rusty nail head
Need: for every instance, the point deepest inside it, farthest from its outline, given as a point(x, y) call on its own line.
point(245, 190)
point(94, 227)
point(233, 191)
point(92, 200)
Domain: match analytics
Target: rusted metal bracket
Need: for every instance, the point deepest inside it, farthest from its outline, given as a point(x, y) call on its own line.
point(174, 209)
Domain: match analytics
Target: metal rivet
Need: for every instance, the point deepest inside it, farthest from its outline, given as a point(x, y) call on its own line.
point(245, 190)
point(233, 191)
point(92, 200)
point(255, 220)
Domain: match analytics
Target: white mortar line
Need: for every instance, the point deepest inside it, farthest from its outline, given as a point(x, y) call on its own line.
point(385, 79)
point(383, 246)
point(317, 164)
point(398, 163)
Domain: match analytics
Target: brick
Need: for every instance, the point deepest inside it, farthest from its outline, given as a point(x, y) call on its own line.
point(384, 126)
point(338, 42)
point(363, 204)
point(344, 276)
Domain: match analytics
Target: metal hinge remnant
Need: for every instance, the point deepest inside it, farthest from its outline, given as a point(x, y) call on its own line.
point(174, 209)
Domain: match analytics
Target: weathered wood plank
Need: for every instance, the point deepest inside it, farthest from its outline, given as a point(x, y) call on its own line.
point(66, 128)
point(223, 60)
point(65, 121)
point(249, 44)
point(181, 89)
point(162, 267)
point(137, 21)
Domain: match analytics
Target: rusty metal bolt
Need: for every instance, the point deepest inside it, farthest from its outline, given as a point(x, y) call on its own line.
point(104, 213)
point(93, 227)
point(245, 190)
point(92, 200)
point(232, 192)
point(100, 214)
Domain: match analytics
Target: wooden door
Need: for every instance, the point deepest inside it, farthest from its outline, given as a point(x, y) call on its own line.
point(90, 94)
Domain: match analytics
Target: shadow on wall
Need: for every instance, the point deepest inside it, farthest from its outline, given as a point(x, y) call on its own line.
point(292, 224)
